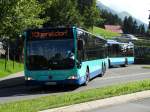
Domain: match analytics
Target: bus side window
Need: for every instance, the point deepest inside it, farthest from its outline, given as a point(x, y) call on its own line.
point(80, 44)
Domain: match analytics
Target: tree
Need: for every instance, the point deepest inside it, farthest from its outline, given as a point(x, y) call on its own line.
point(89, 12)
point(17, 15)
point(83, 4)
point(134, 27)
point(62, 13)
point(125, 25)
point(130, 25)
point(142, 29)
point(89, 17)
point(107, 18)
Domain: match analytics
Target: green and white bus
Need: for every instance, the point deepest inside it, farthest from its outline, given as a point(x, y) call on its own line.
point(63, 56)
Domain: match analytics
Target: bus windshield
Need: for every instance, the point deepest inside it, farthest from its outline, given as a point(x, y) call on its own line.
point(50, 54)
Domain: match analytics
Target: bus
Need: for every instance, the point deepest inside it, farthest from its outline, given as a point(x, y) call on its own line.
point(120, 53)
point(63, 56)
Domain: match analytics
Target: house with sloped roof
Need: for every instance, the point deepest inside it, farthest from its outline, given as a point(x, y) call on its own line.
point(114, 28)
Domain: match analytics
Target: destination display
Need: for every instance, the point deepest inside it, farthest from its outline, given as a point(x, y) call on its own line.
point(50, 34)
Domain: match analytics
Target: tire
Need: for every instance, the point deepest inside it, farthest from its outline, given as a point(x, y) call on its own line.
point(109, 64)
point(125, 63)
point(103, 70)
point(87, 77)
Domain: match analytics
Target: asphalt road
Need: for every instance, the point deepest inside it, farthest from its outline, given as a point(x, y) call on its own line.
point(15, 89)
point(142, 105)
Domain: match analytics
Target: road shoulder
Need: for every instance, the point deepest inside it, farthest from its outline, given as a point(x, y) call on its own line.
point(101, 103)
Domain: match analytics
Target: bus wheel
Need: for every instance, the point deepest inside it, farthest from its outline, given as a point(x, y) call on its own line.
point(125, 63)
point(87, 76)
point(109, 64)
point(103, 70)
point(104, 67)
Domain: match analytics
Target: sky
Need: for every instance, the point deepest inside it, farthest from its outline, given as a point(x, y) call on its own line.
point(137, 8)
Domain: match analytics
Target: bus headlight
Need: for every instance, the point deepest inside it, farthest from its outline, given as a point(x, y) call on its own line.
point(73, 77)
point(28, 78)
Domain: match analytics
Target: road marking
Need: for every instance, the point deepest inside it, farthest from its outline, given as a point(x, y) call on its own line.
point(131, 75)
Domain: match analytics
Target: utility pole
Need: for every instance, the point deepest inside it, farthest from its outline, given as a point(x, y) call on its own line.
point(149, 25)
point(149, 21)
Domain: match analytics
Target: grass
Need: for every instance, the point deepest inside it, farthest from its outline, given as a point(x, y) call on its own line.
point(104, 33)
point(9, 68)
point(146, 67)
point(53, 101)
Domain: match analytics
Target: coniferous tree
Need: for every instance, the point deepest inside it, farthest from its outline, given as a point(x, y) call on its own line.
point(130, 26)
point(135, 27)
point(125, 26)
point(107, 18)
point(141, 29)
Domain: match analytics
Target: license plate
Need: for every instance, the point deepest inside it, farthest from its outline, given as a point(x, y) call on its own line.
point(50, 83)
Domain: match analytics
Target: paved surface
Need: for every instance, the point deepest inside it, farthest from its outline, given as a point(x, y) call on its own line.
point(133, 106)
point(107, 103)
point(12, 80)
point(15, 89)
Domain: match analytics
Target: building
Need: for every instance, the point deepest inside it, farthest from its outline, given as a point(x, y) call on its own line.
point(114, 28)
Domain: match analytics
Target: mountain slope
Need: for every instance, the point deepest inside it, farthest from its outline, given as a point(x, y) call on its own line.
point(122, 15)
point(103, 7)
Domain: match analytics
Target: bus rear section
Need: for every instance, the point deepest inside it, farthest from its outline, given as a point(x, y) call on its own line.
point(91, 56)
point(119, 53)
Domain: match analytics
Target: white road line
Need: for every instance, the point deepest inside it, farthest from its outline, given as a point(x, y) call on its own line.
point(124, 76)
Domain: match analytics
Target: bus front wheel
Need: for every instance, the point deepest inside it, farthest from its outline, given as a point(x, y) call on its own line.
point(87, 76)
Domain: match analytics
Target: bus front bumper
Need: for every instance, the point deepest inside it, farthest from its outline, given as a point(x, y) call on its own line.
point(57, 82)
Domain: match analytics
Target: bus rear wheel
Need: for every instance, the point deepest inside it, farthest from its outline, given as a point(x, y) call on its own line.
point(125, 63)
point(87, 77)
point(103, 70)
point(109, 64)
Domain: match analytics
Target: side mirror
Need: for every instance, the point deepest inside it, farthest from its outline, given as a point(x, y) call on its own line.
point(80, 45)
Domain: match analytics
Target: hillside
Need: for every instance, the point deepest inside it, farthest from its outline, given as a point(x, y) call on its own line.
point(121, 15)
point(102, 6)
point(104, 33)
